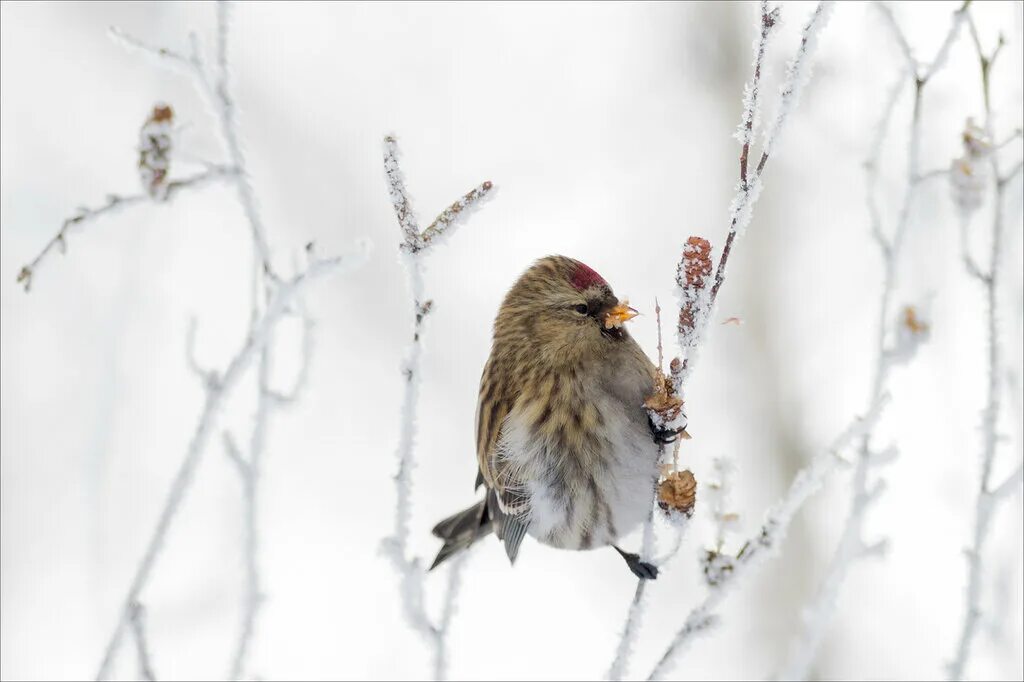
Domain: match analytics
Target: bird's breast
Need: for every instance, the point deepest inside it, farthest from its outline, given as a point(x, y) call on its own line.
point(587, 485)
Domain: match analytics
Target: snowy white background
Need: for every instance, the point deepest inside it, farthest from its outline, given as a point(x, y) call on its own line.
point(607, 129)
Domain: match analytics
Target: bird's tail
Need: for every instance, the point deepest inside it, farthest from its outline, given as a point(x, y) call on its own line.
point(461, 530)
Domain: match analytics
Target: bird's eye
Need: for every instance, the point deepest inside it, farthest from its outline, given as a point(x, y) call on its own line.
point(582, 309)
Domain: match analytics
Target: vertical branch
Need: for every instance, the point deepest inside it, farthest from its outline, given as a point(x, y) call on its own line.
point(696, 299)
point(414, 247)
point(989, 494)
point(797, 74)
point(908, 333)
point(219, 387)
point(224, 105)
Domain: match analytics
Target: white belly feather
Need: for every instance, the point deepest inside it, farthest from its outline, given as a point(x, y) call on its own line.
point(582, 512)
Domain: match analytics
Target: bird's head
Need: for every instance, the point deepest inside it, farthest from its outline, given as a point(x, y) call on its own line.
point(561, 306)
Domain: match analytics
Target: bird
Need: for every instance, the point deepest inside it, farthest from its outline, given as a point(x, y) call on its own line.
point(566, 451)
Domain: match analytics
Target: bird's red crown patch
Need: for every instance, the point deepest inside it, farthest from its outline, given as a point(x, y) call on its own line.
point(585, 277)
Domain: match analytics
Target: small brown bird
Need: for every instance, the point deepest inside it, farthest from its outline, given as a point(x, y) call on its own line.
point(566, 450)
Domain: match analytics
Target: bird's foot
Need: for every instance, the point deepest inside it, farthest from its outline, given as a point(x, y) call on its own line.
point(663, 436)
point(641, 569)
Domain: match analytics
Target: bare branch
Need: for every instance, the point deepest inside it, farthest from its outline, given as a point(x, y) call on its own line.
point(449, 218)
point(290, 396)
point(752, 92)
point(224, 104)
point(909, 333)
point(234, 454)
point(138, 623)
point(215, 399)
point(114, 204)
point(400, 196)
point(207, 377)
point(250, 473)
point(1009, 484)
point(164, 56)
point(697, 299)
point(396, 547)
point(987, 497)
point(1011, 174)
point(797, 73)
point(771, 535)
point(899, 37)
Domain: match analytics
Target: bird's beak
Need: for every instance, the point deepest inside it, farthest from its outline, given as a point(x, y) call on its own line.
point(619, 314)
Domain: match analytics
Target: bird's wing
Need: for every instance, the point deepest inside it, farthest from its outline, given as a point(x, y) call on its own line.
point(506, 501)
point(493, 405)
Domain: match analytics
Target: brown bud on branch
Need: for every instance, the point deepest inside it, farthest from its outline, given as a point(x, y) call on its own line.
point(155, 151)
point(678, 493)
point(692, 277)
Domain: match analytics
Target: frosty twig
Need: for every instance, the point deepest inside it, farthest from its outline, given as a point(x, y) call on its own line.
point(415, 245)
point(693, 272)
point(979, 152)
point(767, 540)
point(279, 297)
point(907, 333)
point(217, 393)
point(113, 204)
point(138, 623)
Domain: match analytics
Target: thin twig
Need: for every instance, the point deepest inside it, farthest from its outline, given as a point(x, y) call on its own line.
point(852, 546)
point(114, 204)
point(989, 494)
point(138, 623)
point(634, 617)
point(216, 396)
point(741, 211)
point(749, 191)
point(768, 539)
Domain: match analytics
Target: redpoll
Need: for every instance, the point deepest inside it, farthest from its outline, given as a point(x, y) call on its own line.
point(565, 448)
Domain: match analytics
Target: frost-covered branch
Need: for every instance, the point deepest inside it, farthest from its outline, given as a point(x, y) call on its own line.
point(414, 247)
point(115, 203)
point(250, 469)
point(907, 331)
point(224, 104)
point(631, 630)
point(216, 91)
point(697, 289)
point(798, 73)
point(138, 623)
point(980, 153)
point(920, 71)
point(217, 393)
point(273, 298)
point(766, 541)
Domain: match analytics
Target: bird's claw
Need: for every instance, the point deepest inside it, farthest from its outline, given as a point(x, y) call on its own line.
point(644, 570)
point(665, 436)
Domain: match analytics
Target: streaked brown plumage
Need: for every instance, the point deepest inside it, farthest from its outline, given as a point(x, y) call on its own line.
point(564, 445)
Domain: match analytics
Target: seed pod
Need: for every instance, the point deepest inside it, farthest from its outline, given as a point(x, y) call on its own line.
point(678, 493)
point(155, 151)
point(693, 276)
